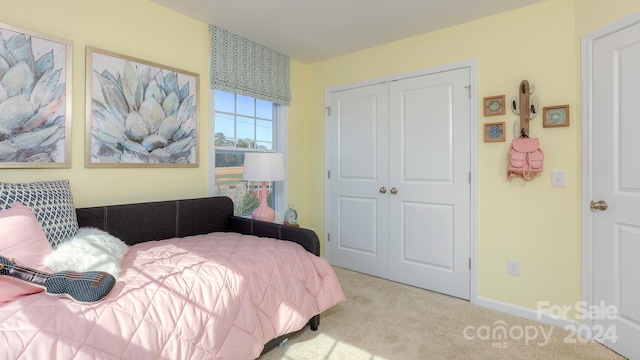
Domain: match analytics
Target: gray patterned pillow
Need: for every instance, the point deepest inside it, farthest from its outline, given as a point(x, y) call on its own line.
point(50, 201)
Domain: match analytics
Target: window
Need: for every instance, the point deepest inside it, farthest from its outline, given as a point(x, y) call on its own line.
point(243, 124)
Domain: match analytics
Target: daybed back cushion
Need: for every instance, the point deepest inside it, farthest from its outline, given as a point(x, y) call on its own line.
point(50, 201)
point(135, 223)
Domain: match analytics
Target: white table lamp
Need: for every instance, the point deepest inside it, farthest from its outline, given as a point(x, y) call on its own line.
point(263, 166)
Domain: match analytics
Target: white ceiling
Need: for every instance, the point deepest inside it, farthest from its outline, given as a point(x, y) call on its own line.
point(315, 30)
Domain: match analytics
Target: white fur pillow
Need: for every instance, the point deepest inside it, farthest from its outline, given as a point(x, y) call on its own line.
point(89, 250)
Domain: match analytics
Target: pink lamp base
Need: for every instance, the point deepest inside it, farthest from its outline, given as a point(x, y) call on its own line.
point(263, 212)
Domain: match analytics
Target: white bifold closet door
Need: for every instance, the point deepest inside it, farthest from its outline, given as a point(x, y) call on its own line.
point(398, 154)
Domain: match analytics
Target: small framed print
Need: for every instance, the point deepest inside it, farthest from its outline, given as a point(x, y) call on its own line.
point(494, 132)
point(555, 116)
point(494, 105)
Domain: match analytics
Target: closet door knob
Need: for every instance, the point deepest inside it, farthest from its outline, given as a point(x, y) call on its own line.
point(599, 205)
point(394, 191)
point(383, 189)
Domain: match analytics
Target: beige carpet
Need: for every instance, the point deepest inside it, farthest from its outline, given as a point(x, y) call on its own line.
point(386, 320)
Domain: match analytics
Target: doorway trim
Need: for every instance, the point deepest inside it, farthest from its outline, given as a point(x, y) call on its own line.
point(587, 42)
point(473, 156)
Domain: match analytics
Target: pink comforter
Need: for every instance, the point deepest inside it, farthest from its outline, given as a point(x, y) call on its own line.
point(215, 296)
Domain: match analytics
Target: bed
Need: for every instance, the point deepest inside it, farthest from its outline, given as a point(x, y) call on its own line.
point(196, 283)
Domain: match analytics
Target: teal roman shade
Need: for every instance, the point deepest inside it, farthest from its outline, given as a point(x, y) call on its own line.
point(241, 66)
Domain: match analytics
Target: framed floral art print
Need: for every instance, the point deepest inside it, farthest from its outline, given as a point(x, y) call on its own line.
point(35, 99)
point(139, 113)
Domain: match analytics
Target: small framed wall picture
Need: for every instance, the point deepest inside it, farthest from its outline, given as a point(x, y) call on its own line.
point(555, 116)
point(494, 105)
point(494, 132)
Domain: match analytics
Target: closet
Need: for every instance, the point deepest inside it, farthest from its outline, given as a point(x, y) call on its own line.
point(398, 178)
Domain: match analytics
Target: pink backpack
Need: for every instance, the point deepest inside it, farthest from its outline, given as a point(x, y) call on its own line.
point(525, 158)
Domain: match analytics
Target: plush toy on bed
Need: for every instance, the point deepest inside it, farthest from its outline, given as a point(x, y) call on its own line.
point(85, 287)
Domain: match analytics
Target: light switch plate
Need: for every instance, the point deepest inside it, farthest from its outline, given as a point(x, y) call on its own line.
point(557, 178)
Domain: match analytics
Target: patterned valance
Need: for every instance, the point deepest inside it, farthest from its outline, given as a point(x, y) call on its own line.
point(241, 66)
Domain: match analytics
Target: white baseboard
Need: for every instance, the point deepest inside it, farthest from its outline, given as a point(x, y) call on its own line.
point(525, 313)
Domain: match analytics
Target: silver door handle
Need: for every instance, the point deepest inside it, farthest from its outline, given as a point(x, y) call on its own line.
point(394, 191)
point(383, 189)
point(599, 205)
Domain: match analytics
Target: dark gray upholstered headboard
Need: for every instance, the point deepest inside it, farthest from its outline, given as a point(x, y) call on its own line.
point(135, 223)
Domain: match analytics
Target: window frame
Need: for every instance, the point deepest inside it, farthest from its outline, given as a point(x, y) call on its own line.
point(280, 140)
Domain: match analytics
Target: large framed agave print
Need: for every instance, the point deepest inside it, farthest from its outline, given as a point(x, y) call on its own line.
point(35, 99)
point(139, 113)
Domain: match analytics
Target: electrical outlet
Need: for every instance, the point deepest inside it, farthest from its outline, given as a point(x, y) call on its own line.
point(513, 266)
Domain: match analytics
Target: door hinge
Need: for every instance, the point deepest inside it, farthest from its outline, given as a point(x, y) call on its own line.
point(468, 87)
point(469, 263)
point(469, 177)
point(328, 174)
point(329, 237)
point(328, 110)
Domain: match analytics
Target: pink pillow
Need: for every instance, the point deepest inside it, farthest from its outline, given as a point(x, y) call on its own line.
point(21, 238)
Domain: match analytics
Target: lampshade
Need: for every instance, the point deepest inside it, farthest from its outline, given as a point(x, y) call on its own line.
point(263, 166)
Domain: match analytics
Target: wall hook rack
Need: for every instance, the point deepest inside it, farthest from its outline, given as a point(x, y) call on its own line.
point(525, 105)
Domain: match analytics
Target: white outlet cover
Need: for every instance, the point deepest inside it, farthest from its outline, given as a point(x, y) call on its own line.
point(513, 266)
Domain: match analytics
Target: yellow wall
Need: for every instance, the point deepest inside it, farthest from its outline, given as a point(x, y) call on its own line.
point(139, 29)
point(594, 14)
point(529, 221)
point(539, 43)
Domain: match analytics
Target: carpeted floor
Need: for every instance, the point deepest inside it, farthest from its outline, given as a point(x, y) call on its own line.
point(382, 319)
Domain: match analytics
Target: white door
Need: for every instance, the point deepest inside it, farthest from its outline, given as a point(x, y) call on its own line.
point(358, 159)
point(430, 162)
point(615, 180)
point(401, 211)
